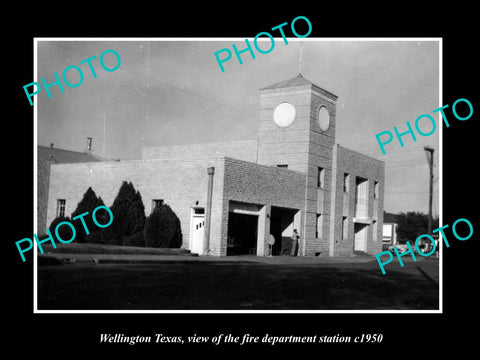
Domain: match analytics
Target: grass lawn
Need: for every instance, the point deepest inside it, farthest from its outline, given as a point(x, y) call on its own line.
point(86, 248)
point(238, 285)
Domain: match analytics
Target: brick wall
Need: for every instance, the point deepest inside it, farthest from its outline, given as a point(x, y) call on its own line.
point(265, 186)
point(45, 157)
point(243, 150)
point(43, 177)
point(180, 183)
point(183, 184)
point(262, 184)
point(343, 204)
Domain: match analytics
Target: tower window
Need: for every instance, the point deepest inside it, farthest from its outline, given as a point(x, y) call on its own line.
point(344, 228)
point(346, 182)
point(283, 166)
point(319, 226)
point(375, 190)
point(361, 198)
point(320, 177)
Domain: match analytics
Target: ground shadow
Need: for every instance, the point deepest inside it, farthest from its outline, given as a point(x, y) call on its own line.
point(232, 286)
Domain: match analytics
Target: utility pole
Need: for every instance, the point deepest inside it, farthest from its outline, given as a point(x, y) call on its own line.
point(430, 161)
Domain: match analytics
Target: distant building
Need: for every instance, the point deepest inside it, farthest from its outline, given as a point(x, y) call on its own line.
point(390, 224)
point(51, 155)
point(231, 196)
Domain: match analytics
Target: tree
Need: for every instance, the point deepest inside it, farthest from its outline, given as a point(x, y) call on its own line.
point(134, 240)
point(413, 224)
point(137, 214)
point(89, 202)
point(128, 214)
point(65, 232)
point(163, 228)
point(98, 235)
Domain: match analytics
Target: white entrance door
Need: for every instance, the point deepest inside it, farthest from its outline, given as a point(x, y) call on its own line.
point(196, 234)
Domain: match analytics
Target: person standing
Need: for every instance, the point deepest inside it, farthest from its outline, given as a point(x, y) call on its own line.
point(295, 238)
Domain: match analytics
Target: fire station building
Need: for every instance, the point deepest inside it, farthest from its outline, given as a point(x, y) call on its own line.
point(234, 197)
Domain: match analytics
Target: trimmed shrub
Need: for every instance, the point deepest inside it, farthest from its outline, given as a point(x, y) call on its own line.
point(109, 236)
point(134, 240)
point(128, 214)
point(137, 214)
point(163, 229)
point(65, 232)
point(89, 202)
point(98, 237)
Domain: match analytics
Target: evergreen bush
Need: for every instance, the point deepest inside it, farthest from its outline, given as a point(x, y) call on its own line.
point(134, 240)
point(89, 202)
point(128, 214)
point(64, 231)
point(163, 228)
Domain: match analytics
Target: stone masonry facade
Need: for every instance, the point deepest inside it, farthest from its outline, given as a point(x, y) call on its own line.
point(296, 173)
point(182, 185)
point(343, 203)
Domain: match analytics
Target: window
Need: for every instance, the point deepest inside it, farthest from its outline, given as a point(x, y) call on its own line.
point(156, 203)
point(199, 211)
point(283, 166)
point(344, 228)
point(361, 198)
point(319, 226)
point(320, 177)
point(61, 207)
point(346, 182)
point(375, 190)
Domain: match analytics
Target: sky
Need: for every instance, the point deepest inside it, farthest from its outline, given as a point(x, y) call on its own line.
point(172, 91)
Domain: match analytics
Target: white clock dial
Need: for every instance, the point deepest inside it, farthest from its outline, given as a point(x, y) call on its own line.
point(284, 114)
point(323, 118)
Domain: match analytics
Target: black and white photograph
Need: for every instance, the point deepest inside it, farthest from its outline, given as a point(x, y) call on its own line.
point(259, 185)
point(256, 177)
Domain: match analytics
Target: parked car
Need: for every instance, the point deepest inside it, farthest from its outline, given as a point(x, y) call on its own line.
point(401, 248)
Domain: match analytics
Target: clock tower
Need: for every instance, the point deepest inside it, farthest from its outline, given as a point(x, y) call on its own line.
point(297, 132)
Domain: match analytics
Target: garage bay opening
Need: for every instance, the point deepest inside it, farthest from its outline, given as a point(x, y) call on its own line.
point(281, 227)
point(242, 234)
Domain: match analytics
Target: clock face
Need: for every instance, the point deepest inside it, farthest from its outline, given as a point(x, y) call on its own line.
point(284, 114)
point(323, 118)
